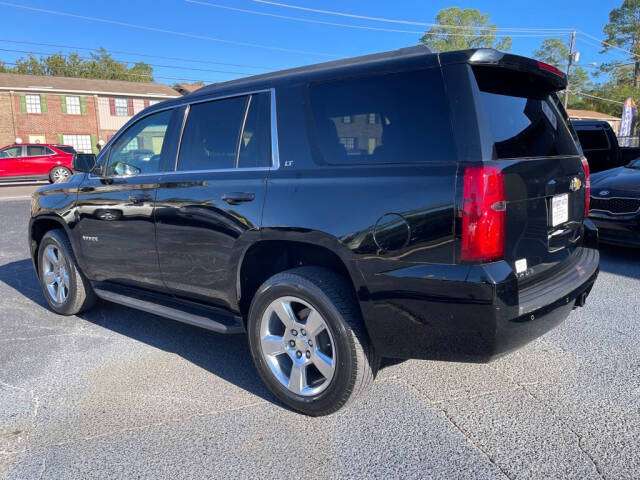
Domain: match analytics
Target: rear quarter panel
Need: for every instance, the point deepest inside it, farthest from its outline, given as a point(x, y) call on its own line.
point(377, 218)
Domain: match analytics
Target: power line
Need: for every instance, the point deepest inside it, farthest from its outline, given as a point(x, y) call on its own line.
point(360, 27)
point(438, 34)
point(127, 62)
point(119, 52)
point(163, 30)
point(404, 22)
point(611, 45)
point(582, 94)
point(298, 19)
point(140, 75)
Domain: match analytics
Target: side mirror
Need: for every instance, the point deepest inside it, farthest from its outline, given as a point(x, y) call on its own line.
point(83, 162)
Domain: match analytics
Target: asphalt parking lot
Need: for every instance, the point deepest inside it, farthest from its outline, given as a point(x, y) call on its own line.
point(115, 393)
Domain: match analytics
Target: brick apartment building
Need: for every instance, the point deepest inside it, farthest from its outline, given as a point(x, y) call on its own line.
point(74, 111)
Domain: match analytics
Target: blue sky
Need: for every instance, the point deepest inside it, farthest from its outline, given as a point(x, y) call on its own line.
point(289, 43)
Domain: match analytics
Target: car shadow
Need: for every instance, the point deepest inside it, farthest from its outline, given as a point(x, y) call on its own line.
point(226, 356)
point(620, 260)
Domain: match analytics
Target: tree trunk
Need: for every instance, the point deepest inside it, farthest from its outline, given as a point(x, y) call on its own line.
point(636, 74)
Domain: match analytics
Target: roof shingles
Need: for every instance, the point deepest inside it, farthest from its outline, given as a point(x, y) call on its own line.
point(17, 81)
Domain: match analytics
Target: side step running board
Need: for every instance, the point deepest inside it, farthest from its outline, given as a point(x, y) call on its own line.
point(172, 313)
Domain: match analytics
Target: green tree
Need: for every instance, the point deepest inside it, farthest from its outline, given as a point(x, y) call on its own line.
point(99, 65)
point(476, 31)
point(623, 31)
point(555, 51)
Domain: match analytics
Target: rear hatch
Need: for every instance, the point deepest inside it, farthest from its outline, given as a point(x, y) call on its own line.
point(525, 133)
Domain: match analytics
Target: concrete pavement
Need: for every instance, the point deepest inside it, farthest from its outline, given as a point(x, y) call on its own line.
point(116, 393)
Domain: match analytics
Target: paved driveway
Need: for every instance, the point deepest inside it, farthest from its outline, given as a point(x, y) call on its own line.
point(116, 393)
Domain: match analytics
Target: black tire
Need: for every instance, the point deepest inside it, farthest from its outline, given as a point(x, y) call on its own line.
point(80, 295)
point(65, 172)
point(333, 297)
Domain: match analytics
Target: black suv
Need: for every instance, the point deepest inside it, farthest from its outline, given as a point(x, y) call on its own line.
point(405, 204)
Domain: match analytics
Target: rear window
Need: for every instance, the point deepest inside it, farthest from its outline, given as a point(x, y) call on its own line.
point(593, 139)
point(523, 121)
point(66, 149)
point(385, 118)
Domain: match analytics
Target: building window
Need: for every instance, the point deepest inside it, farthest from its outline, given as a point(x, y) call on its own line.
point(372, 119)
point(122, 107)
point(37, 139)
point(81, 143)
point(33, 103)
point(346, 119)
point(348, 142)
point(153, 102)
point(131, 146)
point(73, 105)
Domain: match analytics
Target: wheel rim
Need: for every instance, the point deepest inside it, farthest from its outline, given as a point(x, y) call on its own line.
point(60, 175)
point(55, 274)
point(297, 345)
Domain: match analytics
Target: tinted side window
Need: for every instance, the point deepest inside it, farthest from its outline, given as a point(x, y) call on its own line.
point(66, 149)
point(211, 134)
point(11, 152)
point(138, 150)
point(255, 145)
point(37, 150)
point(593, 139)
point(385, 118)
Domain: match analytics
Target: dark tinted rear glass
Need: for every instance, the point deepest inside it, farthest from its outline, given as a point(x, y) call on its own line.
point(593, 139)
point(211, 134)
point(66, 149)
point(386, 118)
point(37, 150)
point(524, 121)
point(255, 146)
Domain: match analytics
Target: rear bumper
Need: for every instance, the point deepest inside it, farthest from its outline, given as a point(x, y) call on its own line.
point(470, 313)
point(617, 231)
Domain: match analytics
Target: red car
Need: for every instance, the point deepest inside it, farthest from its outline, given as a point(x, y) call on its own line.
point(30, 161)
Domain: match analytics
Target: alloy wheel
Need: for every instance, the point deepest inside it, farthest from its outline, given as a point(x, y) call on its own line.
point(55, 274)
point(59, 175)
point(297, 344)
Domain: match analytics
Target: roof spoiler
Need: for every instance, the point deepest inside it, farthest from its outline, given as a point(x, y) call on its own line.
point(489, 57)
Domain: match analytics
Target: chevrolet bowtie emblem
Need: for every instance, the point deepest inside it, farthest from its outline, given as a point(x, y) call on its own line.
point(575, 184)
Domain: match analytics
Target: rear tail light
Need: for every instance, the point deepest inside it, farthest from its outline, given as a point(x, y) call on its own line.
point(483, 214)
point(550, 68)
point(587, 185)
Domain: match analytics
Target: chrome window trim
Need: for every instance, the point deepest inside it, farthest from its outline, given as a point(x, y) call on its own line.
point(244, 124)
point(275, 152)
point(185, 115)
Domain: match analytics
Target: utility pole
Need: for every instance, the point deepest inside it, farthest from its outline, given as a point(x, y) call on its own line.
point(571, 55)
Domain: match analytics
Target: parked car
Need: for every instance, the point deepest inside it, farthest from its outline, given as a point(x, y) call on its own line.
point(35, 161)
point(600, 145)
point(615, 204)
point(404, 204)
